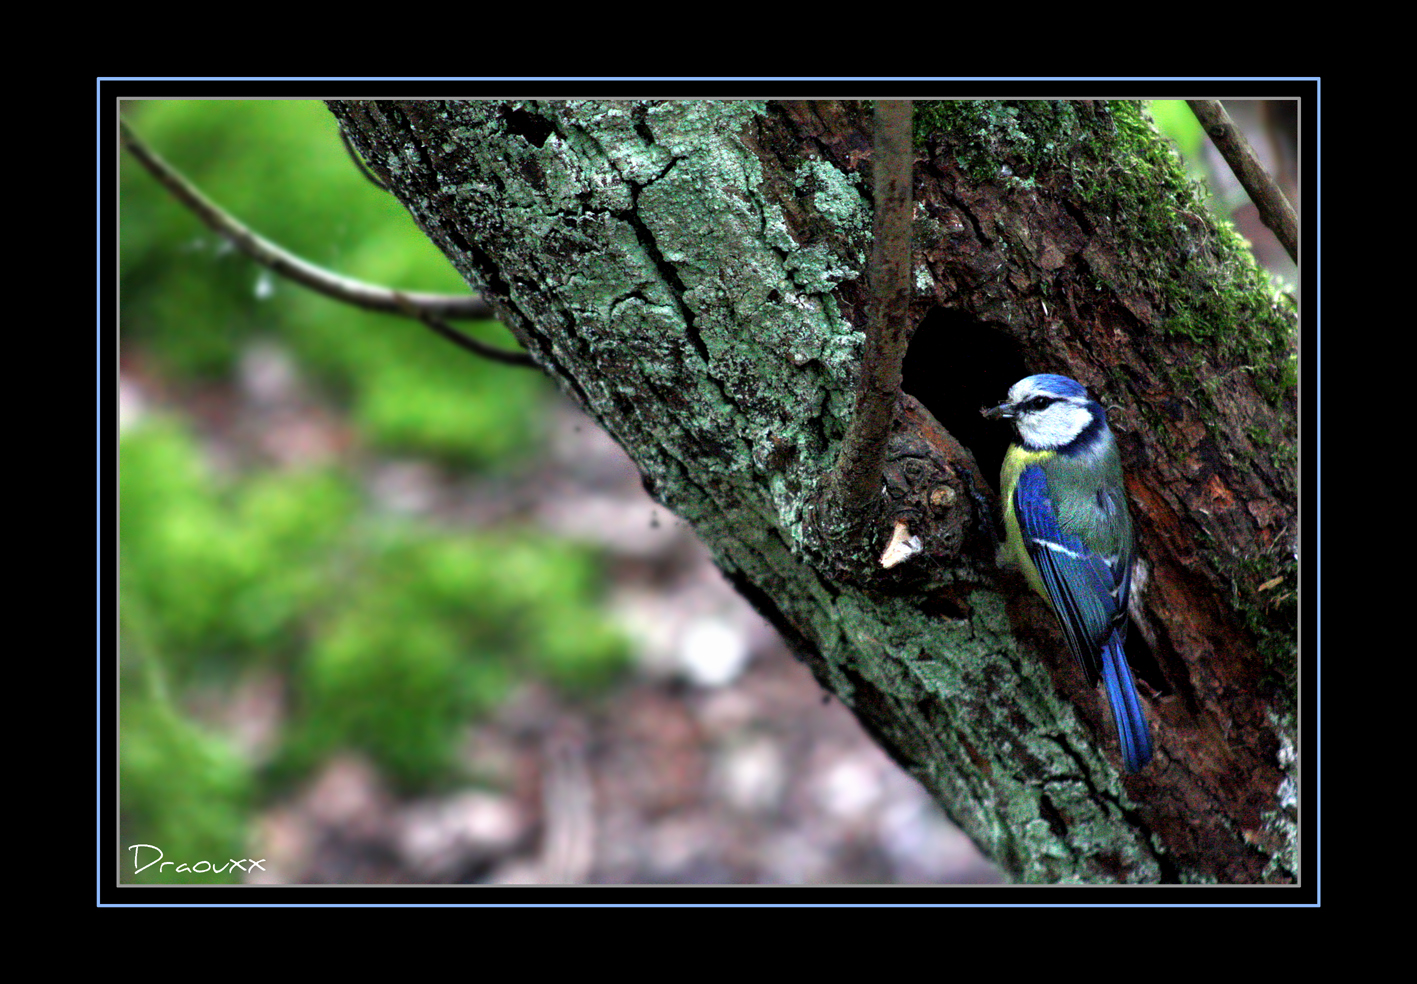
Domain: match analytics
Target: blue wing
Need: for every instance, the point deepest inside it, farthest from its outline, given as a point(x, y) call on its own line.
point(1089, 594)
point(1081, 584)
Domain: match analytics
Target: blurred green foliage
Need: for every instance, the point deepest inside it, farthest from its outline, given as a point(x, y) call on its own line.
point(431, 631)
point(227, 575)
point(279, 167)
point(185, 794)
point(1176, 120)
point(390, 635)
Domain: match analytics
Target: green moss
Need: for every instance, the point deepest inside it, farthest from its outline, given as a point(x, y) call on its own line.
point(1267, 598)
point(1285, 457)
point(1001, 141)
point(1211, 290)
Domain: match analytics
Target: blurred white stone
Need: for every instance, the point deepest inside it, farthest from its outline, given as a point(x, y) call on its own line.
point(409, 488)
point(850, 787)
point(436, 838)
point(267, 374)
point(713, 652)
point(132, 404)
point(793, 857)
point(752, 776)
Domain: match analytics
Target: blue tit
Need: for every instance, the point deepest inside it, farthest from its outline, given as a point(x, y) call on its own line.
point(1068, 527)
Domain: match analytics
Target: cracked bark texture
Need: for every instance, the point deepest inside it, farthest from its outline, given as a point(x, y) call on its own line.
point(692, 274)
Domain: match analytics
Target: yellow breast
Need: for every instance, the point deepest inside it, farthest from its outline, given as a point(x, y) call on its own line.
point(1017, 459)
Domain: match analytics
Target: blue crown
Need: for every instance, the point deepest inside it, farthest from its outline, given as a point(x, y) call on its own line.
point(1059, 385)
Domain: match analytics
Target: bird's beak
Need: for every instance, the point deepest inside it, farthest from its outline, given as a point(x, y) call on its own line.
point(1005, 410)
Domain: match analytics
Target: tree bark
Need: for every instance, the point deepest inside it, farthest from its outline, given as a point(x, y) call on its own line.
point(691, 273)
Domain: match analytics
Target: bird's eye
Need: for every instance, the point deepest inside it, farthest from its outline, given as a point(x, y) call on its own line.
point(1038, 402)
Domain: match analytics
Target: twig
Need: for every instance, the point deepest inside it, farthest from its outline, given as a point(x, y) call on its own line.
point(492, 352)
point(428, 308)
point(1275, 210)
point(359, 164)
point(857, 475)
point(568, 811)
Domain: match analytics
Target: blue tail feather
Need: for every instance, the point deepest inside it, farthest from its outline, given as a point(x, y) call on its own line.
point(1132, 728)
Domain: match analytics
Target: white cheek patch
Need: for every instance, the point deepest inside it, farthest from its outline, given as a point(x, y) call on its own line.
point(1054, 427)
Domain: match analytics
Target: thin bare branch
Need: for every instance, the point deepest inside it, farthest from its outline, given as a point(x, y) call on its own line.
point(1275, 210)
point(427, 308)
point(857, 475)
point(363, 168)
point(509, 356)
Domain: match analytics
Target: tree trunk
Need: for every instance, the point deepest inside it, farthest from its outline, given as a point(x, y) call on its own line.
point(691, 273)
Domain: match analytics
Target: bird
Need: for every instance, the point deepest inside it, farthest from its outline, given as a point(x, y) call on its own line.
point(1068, 528)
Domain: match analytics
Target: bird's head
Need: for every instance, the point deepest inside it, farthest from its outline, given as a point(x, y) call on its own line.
point(1048, 411)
